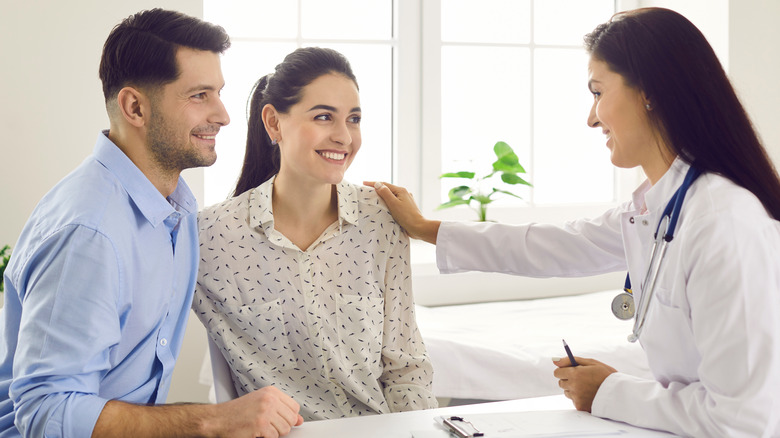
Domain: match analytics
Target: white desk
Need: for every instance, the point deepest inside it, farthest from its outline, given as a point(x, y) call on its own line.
point(402, 424)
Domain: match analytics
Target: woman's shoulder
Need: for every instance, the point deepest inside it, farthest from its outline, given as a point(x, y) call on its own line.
point(366, 198)
point(719, 195)
point(228, 210)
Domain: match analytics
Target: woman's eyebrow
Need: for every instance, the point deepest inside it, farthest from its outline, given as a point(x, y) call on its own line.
point(332, 109)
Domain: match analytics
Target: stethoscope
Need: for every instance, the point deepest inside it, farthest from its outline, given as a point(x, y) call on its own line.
point(623, 304)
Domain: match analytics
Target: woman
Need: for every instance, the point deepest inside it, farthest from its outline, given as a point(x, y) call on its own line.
point(304, 279)
point(711, 331)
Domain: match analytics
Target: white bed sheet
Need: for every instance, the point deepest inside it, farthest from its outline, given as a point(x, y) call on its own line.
point(504, 350)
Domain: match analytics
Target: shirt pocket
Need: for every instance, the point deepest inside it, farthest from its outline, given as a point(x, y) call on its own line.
point(361, 327)
point(255, 338)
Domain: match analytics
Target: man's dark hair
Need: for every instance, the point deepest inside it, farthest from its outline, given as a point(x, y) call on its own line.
point(141, 50)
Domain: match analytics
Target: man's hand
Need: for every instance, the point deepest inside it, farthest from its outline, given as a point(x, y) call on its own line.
point(267, 413)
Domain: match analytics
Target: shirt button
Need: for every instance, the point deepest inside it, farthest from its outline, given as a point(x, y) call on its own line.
point(163, 342)
point(644, 222)
point(631, 219)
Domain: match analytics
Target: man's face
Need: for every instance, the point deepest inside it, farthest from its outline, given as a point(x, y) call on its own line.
point(186, 114)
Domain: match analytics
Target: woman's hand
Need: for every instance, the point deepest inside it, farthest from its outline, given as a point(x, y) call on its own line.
point(405, 211)
point(581, 383)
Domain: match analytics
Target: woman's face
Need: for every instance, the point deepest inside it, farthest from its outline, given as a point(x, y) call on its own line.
point(320, 135)
point(621, 113)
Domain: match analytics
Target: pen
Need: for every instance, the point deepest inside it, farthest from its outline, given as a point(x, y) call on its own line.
point(568, 353)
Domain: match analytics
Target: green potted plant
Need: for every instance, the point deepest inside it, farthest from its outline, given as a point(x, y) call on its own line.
point(5, 255)
point(507, 166)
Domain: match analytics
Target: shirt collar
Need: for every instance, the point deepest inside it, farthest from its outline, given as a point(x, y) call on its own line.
point(144, 194)
point(656, 197)
point(261, 209)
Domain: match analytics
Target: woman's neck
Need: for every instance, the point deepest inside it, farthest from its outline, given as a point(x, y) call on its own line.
point(659, 164)
point(302, 211)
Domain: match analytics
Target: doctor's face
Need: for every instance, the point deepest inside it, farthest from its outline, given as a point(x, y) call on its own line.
point(620, 111)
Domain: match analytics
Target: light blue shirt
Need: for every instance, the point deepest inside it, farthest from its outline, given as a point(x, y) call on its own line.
point(97, 295)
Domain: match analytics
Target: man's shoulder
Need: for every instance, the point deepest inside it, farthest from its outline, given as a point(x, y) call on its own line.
point(86, 196)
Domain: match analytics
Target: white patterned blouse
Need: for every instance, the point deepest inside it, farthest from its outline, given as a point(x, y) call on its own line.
point(332, 326)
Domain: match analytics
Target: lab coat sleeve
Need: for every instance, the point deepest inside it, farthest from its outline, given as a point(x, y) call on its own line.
point(732, 288)
point(407, 372)
point(576, 249)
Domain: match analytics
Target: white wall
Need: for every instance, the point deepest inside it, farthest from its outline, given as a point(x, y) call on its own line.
point(52, 108)
point(754, 67)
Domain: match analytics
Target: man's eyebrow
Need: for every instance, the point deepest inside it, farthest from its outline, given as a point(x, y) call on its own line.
point(333, 109)
point(202, 88)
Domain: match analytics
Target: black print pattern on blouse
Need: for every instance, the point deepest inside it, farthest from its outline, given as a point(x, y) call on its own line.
point(332, 326)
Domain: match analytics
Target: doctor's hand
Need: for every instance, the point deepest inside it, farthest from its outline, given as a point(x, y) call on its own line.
point(581, 383)
point(405, 211)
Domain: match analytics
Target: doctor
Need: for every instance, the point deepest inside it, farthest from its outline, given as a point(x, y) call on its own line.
point(709, 318)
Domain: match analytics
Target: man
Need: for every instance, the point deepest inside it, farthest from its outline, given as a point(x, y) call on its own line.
point(101, 280)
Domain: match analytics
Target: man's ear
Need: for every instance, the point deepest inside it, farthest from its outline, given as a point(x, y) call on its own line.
point(271, 122)
point(134, 106)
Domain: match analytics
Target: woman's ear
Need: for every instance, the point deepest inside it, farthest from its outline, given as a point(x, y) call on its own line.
point(271, 122)
point(134, 106)
point(646, 102)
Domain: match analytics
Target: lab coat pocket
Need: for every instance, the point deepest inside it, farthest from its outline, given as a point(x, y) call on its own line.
point(666, 297)
point(668, 339)
point(254, 336)
point(361, 325)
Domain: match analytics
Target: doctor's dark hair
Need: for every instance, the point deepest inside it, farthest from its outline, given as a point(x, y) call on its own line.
point(141, 50)
point(693, 105)
point(283, 88)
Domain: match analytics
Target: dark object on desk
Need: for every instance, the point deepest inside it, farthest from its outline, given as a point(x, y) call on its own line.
point(461, 427)
point(568, 353)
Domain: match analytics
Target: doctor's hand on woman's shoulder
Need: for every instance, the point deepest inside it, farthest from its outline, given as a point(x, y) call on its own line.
point(581, 383)
point(405, 211)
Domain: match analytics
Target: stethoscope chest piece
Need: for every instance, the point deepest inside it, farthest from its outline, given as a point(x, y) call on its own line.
point(623, 306)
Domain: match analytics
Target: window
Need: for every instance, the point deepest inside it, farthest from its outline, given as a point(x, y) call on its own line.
point(263, 32)
point(440, 82)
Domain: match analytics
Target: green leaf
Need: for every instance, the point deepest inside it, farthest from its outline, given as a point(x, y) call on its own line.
point(507, 193)
point(462, 174)
point(459, 192)
point(511, 178)
point(453, 203)
point(500, 166)
point(482, 199)
point(507, 160)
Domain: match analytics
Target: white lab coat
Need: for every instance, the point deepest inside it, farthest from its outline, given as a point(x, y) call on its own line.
point(712, 333)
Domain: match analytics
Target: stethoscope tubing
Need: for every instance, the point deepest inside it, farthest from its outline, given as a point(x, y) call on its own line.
point(664, 233)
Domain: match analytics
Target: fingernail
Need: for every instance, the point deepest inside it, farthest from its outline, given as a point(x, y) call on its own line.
point(556, 359)
point(378, 185)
